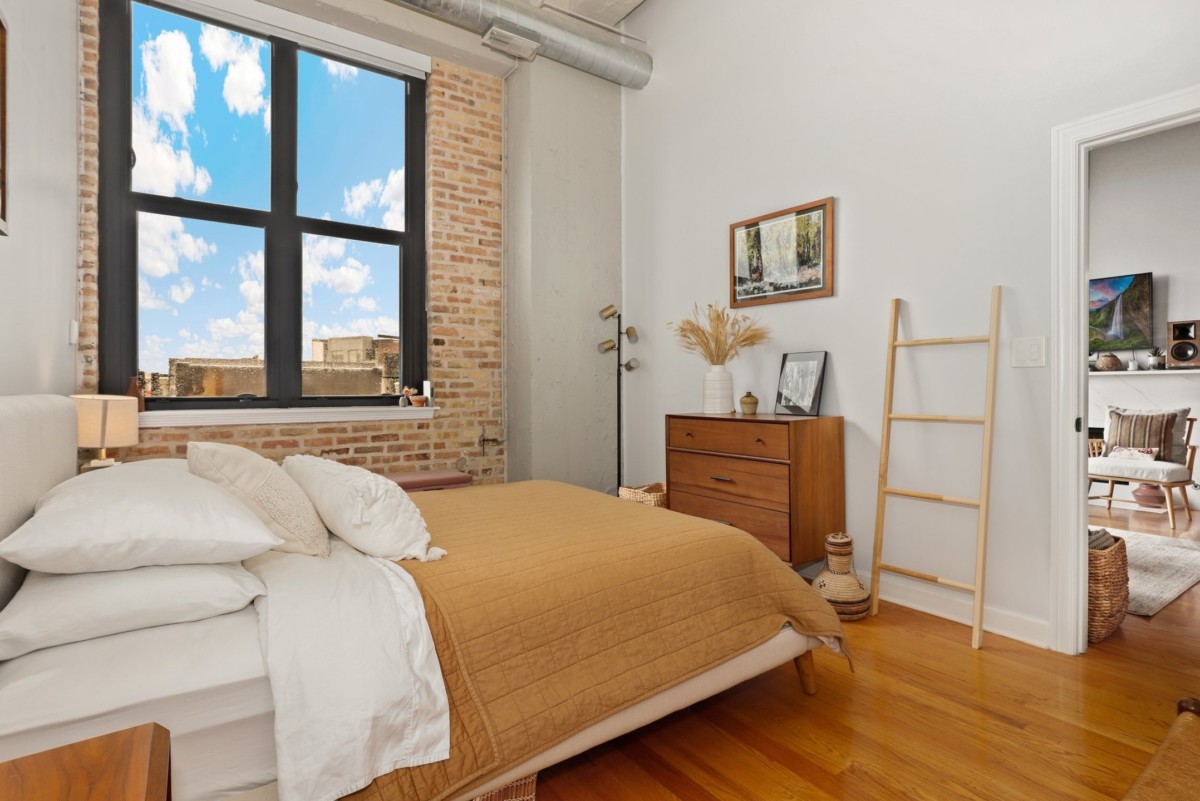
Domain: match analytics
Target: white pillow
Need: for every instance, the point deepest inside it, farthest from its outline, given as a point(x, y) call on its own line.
point(364, 509)
point(266, 490)
point(54, 609)
point(135, 514)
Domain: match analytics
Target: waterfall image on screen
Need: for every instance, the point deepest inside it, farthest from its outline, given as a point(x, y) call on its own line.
point(1120, 312)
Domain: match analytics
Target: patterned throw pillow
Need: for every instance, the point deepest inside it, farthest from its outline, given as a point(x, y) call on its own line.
point(1140, 431)
point(1138, 454)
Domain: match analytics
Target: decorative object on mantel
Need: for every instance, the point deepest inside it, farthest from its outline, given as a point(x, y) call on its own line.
point(749, 404)
point(1156, 359)
point(717, 335)
point(1182, 350)
point(1108, 362)
point(801, 378)
point(838, 583)
point(784, 255)
point(1132, 365)
point(630, 333)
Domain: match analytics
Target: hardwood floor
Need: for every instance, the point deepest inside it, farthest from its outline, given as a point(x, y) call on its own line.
point(922, 717)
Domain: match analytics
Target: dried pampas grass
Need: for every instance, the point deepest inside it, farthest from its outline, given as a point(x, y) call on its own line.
point(716, 334)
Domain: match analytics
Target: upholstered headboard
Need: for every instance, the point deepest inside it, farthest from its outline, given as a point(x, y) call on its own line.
point(37, 451)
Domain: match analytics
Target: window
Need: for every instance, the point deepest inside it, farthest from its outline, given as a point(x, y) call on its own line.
point(261, 217)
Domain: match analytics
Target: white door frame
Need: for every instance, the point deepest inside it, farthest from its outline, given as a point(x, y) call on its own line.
point(1070, 145)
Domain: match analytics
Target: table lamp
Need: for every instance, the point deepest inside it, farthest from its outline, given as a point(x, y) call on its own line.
point(106, 421)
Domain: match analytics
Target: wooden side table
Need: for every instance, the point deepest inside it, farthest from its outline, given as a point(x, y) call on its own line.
point(129, 765)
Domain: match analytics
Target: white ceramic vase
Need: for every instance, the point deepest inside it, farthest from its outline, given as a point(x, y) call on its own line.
point(718, 390)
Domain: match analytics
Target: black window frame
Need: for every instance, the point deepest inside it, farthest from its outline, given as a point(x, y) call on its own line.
point(283, 229)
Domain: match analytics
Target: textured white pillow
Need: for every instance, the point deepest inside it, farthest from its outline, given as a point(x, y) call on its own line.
point(54, 609)
point(266, 490)
point(363, 508)
point(135, 514)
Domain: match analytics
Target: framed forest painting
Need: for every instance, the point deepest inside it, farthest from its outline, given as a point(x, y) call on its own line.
point(781, 256)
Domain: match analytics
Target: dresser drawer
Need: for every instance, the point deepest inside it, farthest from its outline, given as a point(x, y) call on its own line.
point(770, 528)
point(762, 440)
point(740, 480)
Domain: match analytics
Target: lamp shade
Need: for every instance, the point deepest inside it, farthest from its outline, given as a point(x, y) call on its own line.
point(106, 421)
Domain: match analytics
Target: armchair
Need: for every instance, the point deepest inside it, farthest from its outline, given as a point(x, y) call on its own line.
point(1167, 475)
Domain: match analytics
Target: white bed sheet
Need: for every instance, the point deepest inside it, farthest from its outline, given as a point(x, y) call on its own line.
point(204, 681)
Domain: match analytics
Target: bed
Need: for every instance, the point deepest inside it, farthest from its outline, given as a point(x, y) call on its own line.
point(583, 618)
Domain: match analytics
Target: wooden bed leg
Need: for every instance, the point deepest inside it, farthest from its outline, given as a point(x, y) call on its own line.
point(808, 672)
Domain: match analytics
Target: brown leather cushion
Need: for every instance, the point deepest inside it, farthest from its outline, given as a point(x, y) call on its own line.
point(429, 479)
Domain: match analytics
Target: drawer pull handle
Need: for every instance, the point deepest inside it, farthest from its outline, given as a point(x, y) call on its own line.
point(687, 433)
point(759, 440)
point(725, 479)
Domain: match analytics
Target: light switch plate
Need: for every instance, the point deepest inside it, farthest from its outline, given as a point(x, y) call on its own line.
point(1029, 352)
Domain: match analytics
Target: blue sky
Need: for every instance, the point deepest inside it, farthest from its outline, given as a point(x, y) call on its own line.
point(201, 129)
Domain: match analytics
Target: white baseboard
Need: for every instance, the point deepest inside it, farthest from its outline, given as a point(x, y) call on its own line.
point(956, 605)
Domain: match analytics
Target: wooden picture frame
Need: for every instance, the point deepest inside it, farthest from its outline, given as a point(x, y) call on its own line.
point(3, 125)
point(781, 256)
point(801, 379)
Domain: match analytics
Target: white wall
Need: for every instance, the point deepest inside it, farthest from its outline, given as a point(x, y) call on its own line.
point(562, 265)
point(1144, 216)
point(930, 123)
point(38, 257)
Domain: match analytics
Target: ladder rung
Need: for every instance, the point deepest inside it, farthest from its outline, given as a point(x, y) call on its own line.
point(916, 343)
point(936, 418)
point(929, 496)
point(904, 571)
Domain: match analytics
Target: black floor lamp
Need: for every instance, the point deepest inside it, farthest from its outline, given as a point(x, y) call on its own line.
point(608, 345)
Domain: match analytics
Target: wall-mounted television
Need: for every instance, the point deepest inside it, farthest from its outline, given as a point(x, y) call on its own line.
point(1121, 312)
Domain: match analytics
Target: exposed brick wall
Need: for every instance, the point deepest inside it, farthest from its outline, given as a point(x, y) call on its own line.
point(464, 150)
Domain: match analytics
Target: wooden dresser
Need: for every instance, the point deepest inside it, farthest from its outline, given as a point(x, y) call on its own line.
point(781, 478)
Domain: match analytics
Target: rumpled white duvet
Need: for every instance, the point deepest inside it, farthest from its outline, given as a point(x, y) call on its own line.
point(356, 682)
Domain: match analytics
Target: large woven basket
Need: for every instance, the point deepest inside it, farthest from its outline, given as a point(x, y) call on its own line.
point(650, 494)
point(521, 790)
point(1108, 589)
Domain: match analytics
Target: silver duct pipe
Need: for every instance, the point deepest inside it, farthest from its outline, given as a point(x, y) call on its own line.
point(562, 38)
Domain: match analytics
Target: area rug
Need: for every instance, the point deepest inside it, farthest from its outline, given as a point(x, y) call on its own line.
point(1160, 569)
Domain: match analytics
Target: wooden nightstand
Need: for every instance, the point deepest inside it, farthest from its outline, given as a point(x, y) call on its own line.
point(129, 765)
point(778, 477)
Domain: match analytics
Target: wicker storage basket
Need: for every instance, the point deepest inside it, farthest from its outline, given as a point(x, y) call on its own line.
point(1108, 589)
point(520, 790)
point(650, 494)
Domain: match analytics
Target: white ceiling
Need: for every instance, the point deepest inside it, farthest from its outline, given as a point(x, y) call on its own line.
point(610, 12)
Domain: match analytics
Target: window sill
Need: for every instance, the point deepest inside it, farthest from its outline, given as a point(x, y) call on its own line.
point(325, 414)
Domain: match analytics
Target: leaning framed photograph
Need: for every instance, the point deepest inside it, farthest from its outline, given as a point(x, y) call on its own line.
point(800, 379)
point(784, 255)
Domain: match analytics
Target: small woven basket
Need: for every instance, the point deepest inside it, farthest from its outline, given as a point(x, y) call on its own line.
point(1108, 589)
point(838, 583)
point(521, 790)
point(650, 494)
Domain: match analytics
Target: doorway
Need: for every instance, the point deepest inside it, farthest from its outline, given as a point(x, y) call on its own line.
point(1071, 145)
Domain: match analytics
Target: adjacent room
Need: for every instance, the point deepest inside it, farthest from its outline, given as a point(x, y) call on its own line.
point(579, 400)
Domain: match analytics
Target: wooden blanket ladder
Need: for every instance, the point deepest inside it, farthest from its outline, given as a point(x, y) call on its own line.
point(981, 503)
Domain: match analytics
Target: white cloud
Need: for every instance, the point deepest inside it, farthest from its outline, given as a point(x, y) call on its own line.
point(343, 72)
point(163, 242)
point(181, 292)
point(203, 181)
point(246, 326)
point(267, 116)
point(244, 77)
point(365, 303)
point(252, 266)
point(170, 80)
point(356, 199)
point(147, 297)
point(392, 199)
point(362, 327)
point(252, 293)
point(347, 278)
point(162, 169)
point(153, 353)
point(186, 334)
